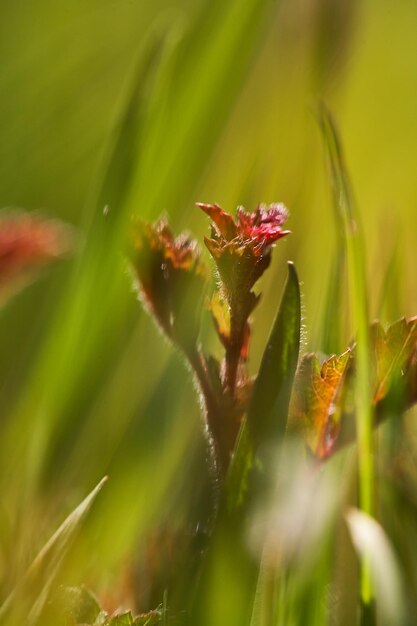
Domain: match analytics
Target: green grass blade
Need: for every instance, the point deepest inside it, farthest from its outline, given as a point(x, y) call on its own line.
point(122, 153)
point(97, 293)
point(200, 87)
point(391, 296)
point(177, 102)
point(28, 598)
point(360, 319)
point(332, 325)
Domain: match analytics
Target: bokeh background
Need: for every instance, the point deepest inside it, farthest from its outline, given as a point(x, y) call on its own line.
point(145, 108)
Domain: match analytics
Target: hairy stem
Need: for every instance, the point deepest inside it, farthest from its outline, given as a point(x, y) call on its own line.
point(217, 419)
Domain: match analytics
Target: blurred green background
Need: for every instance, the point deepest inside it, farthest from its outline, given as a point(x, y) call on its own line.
point(147, 107)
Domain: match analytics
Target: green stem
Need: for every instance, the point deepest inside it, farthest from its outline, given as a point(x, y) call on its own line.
point(216, 419)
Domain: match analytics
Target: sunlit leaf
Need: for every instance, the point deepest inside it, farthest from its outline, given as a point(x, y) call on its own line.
point(170, 278)
point(321, 406)
point(315, 404)
point(221, 316)
point(76, 604)
point(391, 350)
point(268, 410)
point(126, 619)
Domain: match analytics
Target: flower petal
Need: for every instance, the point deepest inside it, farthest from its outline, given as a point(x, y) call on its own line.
point(224, 221)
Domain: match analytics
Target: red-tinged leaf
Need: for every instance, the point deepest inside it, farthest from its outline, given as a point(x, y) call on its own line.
point(321, 406)
point(267, 414)
point(244, 350)
point(223, 221)
point(220, 311)
point(316, 401)
point(29, 241)
point(391, 351)
point(171, 279)
point(221, 316)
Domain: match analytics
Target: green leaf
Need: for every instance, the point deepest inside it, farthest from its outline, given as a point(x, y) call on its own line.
point(321, 408)
point(30, 595)
point(148, 619)
point(268, 410)
point(78, 603)
point(265, 422)
point(123, 619)
point(126, 619)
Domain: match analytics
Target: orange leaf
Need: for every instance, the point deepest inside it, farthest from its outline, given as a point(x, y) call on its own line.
point(221, 316)
point(321, 405)
point(316, 401)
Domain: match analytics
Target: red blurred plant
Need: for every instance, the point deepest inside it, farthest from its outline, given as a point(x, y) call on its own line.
point(28, 242)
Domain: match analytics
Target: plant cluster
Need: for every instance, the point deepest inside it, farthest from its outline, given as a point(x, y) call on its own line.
point(172, 281)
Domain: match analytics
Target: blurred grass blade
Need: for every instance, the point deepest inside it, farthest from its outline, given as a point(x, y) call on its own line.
point(268, 411)
point(93, 307)
point(391, 296)
point(370, 541)
point(332, 330)
point(177, 102)
point(28, 598)
point(120, 160)
point(200, 87)
point(360, 318)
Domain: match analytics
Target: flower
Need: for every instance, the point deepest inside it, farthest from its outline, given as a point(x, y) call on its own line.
point(171, 278)
point(241, 247)
point(257, 230)
point(263, 227)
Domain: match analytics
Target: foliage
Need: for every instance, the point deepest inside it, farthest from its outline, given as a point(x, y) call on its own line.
point(260, 511)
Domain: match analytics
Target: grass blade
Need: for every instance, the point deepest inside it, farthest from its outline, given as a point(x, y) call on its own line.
point(371, 542)
point(177, 102)
point(28, 598)
point(360, 318)
point(332, 326)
